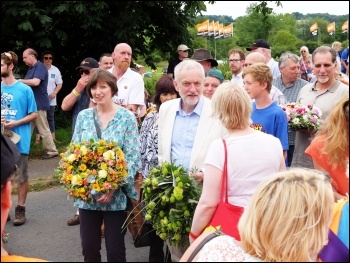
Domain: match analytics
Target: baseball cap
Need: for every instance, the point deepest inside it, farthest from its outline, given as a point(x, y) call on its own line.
point(259, 43)
point(9, 158)
point(182, 47)
point(88, 63)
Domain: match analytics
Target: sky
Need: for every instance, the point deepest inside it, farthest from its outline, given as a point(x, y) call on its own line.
point(238, 8)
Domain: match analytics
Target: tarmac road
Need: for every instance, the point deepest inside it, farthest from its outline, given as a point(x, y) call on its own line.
point(46, 234)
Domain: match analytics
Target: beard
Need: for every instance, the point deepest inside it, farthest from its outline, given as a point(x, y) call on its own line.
point(5, 74)
point(123, 65)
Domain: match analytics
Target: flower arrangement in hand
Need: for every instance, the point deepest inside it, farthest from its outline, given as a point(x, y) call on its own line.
point(92, 167)
point(302, 117)
point(170, 199)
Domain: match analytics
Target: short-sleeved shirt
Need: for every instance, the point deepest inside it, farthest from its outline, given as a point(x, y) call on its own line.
point(19, 101)
point(172, 66)
point(271, 120)
point(55, 78)
point(39, 71)
point(131, 89)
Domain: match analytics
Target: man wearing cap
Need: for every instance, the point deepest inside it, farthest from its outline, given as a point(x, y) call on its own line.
point(37, 78)
point(78, 99)
point(263, 47)
point(182, 51)
point(204, 57)
point(20, 109)
point(9, 158)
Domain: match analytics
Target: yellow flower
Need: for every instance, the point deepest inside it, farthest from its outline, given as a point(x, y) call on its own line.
point(102, 174)
point(109, 155)
point(91, 165)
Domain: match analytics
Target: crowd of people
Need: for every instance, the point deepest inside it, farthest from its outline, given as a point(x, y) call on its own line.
point(193, 109)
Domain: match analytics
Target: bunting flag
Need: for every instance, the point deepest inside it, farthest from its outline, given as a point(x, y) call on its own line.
point(228, 31)
point(211, 29)
point(344, 27)
point(331, 28)
point(216, 29)
point(314, 29)
point(202, 28)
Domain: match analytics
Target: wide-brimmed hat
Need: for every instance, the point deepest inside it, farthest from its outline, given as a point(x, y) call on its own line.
point(88, 63)
point(14, 137)
point(259, 43)
point(202, 54)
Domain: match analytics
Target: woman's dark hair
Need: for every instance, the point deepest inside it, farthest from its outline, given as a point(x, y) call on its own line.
point(101, 76)
point(164, 85)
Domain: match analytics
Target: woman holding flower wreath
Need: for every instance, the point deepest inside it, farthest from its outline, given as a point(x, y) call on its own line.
point(119, 125)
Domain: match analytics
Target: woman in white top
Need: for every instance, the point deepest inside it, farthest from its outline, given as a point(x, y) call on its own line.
point(286, 220)
point(252, 156)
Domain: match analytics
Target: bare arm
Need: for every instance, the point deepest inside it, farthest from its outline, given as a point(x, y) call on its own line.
point(30, 117)
point(208, 201)
point(54, 93)
point(69, 101)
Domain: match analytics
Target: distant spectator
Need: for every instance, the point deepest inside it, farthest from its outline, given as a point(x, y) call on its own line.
point(213, 78)
point(263, 47)
point(204, 57)
point(182, 51)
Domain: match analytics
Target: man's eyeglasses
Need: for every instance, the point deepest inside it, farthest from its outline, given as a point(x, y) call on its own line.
point(84, 71)
point(233, 60)
point(48, 58)
point(7, 54)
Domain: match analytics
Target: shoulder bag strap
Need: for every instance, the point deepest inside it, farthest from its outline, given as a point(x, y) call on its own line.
point(203, 242)
point(224, 177)
point(98, 130)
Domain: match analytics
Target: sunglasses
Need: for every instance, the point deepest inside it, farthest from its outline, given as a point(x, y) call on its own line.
point(7, 54)
point(84, 71)
point(46, 58)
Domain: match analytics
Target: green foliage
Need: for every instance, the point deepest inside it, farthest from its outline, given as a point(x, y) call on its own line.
point(225, 70)
point(63, 119)
point(63, 136)
point(150, 83)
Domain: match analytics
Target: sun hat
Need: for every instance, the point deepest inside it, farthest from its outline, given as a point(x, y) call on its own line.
point(9, 158)
point(259, 43)
point(88, 63)
point(182, 47)
point(14, 137)
point(202, 54)
point(216, 74)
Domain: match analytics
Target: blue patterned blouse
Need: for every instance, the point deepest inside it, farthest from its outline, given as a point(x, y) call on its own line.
point(123, 130)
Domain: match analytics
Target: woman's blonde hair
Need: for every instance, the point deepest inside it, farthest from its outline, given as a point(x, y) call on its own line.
point(288, 216)
point(231, 105)
point(335, 132)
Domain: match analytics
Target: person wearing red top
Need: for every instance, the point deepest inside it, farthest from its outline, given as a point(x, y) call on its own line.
point(329, 149)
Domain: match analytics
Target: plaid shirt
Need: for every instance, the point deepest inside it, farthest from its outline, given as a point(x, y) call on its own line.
point(291, 93)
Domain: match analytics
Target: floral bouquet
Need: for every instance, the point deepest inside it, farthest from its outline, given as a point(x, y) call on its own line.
point(92, 168)
point(170, 199)
point(302, 117)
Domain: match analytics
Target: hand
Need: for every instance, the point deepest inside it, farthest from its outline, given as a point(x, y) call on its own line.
point(52, 95)
point(105, 198)
point(198, 177)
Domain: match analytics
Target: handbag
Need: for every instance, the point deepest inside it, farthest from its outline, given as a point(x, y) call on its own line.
point(137, 226)
point(226, 215)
